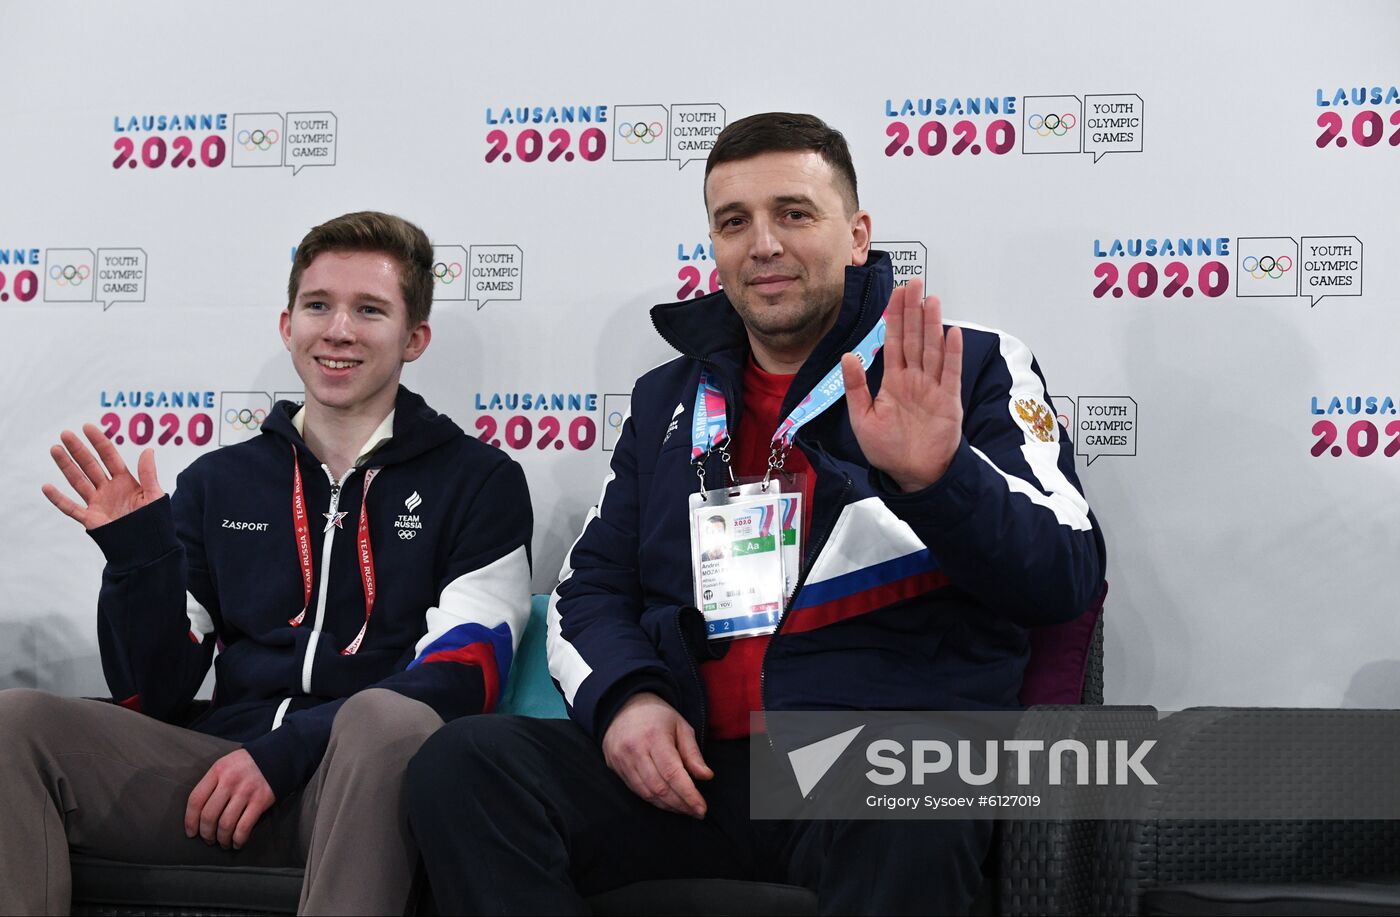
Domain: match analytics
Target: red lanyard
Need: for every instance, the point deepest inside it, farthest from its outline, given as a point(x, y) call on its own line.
point(363, 550)
point(366, 563)
point(303, 534)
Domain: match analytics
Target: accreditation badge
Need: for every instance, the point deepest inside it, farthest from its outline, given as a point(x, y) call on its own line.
point(790, 528)
point(737, 558)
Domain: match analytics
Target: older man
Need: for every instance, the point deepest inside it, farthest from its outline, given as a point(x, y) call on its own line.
point(901, 544)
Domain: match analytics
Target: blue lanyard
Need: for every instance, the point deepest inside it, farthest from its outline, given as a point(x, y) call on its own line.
point(710, 426)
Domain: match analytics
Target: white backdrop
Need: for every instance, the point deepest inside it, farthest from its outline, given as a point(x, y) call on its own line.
point(1243, 569)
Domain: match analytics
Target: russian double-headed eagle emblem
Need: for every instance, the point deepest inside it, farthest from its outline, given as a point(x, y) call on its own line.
point(1037, 419)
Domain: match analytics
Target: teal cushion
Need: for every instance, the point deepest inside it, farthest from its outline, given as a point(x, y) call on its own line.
point(529, 689)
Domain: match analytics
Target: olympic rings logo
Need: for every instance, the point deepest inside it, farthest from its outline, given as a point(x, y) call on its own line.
point(259, 139)
point(447, 272)
point(1267, 266)
point(640, 132)
point(245, 418)
point(63, 276)
point(1045, 125)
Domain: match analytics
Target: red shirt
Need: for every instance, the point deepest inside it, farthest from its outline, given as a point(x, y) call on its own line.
point(732, 688)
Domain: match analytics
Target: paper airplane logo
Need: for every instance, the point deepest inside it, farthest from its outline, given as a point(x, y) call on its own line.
point(811, 762)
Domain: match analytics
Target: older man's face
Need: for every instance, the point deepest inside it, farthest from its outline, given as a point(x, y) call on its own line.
point(784, 233)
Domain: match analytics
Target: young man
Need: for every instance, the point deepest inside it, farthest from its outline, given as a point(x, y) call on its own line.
point(363, 568)
point(940, 526)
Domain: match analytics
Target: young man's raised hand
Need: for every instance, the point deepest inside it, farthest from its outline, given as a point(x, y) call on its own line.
point(106, 487)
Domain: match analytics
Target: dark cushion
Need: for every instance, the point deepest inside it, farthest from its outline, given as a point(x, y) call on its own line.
point(108, 887)
point(704, 896)
point(1358, 896)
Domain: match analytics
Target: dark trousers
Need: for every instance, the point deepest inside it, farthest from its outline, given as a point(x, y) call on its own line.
point(517, 816)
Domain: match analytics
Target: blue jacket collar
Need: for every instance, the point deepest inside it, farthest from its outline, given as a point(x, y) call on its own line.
point(417, 428)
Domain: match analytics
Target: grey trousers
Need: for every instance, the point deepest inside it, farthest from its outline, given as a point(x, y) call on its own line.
point(95, 778)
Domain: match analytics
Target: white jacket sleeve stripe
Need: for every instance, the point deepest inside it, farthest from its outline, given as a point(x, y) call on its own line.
point(498, 593)
point(566, 664)
point(201, 623)
point(1055, 491)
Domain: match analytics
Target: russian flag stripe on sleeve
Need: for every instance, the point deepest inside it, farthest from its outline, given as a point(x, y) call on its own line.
point(478, 620)
point(473, 644)
point(810, 617)
point(872, 559)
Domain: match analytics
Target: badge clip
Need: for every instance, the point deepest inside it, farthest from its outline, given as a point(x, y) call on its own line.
point(777, 458)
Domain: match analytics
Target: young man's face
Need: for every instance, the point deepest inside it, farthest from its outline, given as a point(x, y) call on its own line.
point(784, 235)
point(348, 331)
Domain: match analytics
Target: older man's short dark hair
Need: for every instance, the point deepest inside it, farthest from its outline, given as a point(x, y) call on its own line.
point(787, 132)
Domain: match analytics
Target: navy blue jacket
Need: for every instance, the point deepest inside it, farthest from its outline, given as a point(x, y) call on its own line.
point(217, 564)
point(906, 601)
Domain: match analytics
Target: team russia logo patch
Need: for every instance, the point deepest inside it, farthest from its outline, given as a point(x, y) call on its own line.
point(410, 524)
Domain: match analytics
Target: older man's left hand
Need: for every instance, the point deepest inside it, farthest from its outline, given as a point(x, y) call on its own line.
point(912, 429)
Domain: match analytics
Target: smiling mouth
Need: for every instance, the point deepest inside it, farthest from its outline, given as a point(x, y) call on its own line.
point(771, 280)
point(337, 364)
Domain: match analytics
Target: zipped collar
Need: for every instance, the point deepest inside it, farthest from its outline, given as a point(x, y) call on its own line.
point(417, 429)
point(381, 435)
point(710, 330)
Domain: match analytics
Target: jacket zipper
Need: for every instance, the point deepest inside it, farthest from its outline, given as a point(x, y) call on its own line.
point(813, 551)
point(817, 544)
point(336, 488)
point(811, 554)
point(700, 685)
